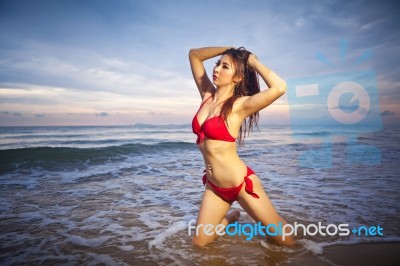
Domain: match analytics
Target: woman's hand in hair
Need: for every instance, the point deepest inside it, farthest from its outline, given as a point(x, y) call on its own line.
point(252, 62)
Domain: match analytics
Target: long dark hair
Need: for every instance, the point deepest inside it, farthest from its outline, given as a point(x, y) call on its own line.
point(247, 86)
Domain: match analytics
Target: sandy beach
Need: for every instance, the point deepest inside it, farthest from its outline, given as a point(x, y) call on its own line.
point(365, 254)
point(369, 254)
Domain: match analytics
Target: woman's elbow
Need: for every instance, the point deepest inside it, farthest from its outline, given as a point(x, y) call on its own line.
point(193, 53)
point(282, 87)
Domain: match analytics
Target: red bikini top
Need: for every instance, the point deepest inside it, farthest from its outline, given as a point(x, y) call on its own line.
point(213, 128)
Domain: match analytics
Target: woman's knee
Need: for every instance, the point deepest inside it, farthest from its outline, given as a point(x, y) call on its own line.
point(289, 240)
point(200, 241)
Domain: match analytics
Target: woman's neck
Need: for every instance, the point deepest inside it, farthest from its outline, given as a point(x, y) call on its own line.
point(222, 94)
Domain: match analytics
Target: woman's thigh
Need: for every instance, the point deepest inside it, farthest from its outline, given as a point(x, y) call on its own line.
point(261, 209)
point(212, 210)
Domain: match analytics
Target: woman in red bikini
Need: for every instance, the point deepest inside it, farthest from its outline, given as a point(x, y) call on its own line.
point(229, 109)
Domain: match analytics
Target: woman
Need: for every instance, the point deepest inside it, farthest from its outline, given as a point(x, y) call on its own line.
point(229, 109)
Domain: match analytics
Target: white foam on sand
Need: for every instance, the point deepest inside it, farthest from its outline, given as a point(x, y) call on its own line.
point(318, 248)
point(126, 247)
point(172, 230)
point(104, 259)
point(354, 241)
point(28, 182)
point(280, 248)
point(87, 242)
point(314, 247)
point(151, 219)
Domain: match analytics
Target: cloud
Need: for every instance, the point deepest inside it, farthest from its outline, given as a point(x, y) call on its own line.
point(40, 115)
point(11, 113)
point(373, 24)
point(300, 22)
point(151, 113)
point(130, 57)
point(102, 114)
point(95, 73)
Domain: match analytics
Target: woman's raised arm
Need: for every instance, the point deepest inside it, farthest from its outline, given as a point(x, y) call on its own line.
point(196, 58)
point(277, 87)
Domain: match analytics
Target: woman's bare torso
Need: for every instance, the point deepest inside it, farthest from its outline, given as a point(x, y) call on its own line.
point(222, 163)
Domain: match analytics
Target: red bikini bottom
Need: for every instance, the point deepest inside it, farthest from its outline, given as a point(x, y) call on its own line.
point(231, 194)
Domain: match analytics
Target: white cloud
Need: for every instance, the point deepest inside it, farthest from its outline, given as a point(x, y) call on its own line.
point(134, 61)
point(300, 22)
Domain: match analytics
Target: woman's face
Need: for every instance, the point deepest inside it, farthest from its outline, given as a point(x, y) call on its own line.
point(223, 71)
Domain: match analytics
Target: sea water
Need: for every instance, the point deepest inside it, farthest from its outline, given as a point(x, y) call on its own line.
point(125, 195)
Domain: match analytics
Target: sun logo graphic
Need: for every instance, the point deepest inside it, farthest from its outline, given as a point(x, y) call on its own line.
point(344, 104)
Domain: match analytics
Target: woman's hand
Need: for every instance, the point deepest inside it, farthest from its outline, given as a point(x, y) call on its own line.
point(252, 62)
point(196, 58)
point(276, 87)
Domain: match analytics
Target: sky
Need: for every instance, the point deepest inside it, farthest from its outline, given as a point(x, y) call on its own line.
point(120, 62)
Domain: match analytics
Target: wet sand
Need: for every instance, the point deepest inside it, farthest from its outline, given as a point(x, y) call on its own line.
point(369, 254)
point(364, 254)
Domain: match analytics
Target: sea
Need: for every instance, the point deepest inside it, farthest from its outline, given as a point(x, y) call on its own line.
point(125, 195)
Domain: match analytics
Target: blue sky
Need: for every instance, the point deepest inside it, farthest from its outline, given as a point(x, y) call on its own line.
point(124, 62)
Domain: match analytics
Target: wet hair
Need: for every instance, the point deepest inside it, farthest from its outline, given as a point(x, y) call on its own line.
point(247, 86)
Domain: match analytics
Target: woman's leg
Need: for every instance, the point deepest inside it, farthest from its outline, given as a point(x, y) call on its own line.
point(212, 211)
point(262, 210)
